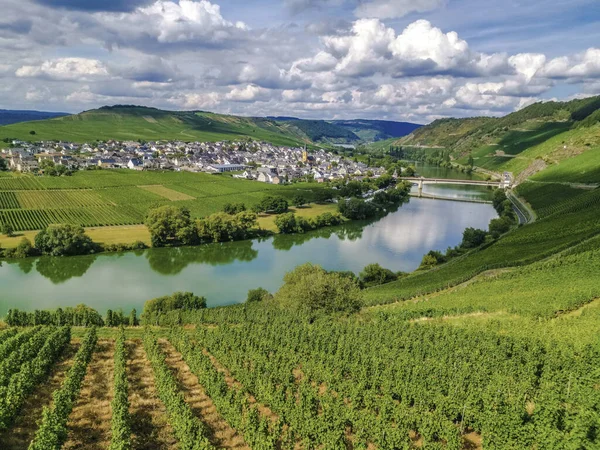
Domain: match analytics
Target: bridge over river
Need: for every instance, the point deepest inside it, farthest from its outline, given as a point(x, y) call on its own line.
point(420, 181)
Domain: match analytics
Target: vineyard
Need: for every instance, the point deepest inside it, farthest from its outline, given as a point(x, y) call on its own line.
point(255, 377)
point(122, 197)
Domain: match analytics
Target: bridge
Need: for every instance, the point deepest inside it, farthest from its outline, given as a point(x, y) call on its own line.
point(420, 181)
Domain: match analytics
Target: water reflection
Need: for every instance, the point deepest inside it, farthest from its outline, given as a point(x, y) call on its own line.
point(224, 272)
point(171, 261)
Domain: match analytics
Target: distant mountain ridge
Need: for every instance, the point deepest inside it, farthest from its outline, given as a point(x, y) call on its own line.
point(130, 122)
point(9, 116)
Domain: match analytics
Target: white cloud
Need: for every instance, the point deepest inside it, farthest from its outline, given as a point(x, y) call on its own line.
point(197, 100)
point(527, 64)
point(248, 93)
point(422, 43)
point(75, 69)
point(582, 66)
point(391, 9)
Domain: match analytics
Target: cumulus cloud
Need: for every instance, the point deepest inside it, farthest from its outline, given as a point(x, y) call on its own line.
point(171, 24)
point(582, 66)
point(248, 93)
point(65, 69)
point(392, 9)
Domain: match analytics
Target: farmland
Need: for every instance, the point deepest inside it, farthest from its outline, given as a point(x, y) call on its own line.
point(122, 197)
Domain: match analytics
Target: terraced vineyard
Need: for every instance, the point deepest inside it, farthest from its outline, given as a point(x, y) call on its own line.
point(122, 197)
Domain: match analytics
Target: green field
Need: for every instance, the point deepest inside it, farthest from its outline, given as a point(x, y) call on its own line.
point(122, 197)
point(583, 168)
point(135, 123)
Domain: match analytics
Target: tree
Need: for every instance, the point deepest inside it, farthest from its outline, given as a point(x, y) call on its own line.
point(133, 320)
point(433, 258)
point(64, 240)
point(257, 295)
point(499, 226)
point(170, 226)
point(234, 208)
point(356, 209)
point(286, 223)
point(32, 132)
point(374, 274)
point(309, 288)
point(3, 165)
point(409, 171)
point(277, 205)
point(109, 318)
point(178, 301)
point(473, 237)
point(7, 229)
point(299, 200)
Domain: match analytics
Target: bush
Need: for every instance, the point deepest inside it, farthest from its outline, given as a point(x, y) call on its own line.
point(183, 301)
point(357, 209)
point(64, 240)
point(170, 226)
point(473, 237)
point(234, 208)
point(311, 289)
point(7, 229)
point(258, 295)
point(374, 274)
point(23, 250)
point(277, 205)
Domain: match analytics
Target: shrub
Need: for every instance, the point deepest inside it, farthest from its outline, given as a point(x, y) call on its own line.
point(64, 240)
point(258, 295)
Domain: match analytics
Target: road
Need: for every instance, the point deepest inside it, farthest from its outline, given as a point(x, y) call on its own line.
point(524, 213)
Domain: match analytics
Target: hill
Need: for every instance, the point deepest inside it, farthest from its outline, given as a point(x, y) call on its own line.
point(8, 116)
point(126, 122)
point(523, 142)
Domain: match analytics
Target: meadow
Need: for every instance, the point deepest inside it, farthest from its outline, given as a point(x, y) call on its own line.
point(133, 123)
point(122, 197)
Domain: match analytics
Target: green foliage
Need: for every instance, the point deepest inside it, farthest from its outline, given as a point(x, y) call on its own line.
point(190, 432)
point(64, 240)
point(170, 226)
point(23, 250)
point(53, 432)
point(310, 288)
point(79, 316)
point(272, 204)
point(258, 295)
point(3, 165)
point(299, 200)
point(234, 208)
point(7, 229)
point(374, 274)
point(178, 301)
point(28, 366)
point(357, 209)
point(473, 237)
point(499, 226)
point(222, 227)
point(120, 421)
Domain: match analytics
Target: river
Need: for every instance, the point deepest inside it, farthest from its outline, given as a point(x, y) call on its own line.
point(223, 273)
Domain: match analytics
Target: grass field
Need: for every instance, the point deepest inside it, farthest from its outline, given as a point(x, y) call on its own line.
point(122, 197)
point(151, 124)
point(583, 168)
point(127, 234)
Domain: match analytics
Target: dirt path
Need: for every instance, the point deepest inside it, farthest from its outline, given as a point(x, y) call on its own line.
point(222, 434)
point(20, 435)
point(89, 423)
point(149, 423)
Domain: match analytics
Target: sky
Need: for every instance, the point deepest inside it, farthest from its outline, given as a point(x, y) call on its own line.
point(405, 60)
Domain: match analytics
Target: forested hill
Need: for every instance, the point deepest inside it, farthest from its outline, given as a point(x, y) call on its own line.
point(8, 116)
point(523, 142)
point(128, 122)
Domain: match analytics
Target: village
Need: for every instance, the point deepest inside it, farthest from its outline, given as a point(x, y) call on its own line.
point(250, 160)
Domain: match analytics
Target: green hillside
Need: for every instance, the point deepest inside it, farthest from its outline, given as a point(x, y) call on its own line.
point(524, 142)
point(125, 122)
point(133, 123)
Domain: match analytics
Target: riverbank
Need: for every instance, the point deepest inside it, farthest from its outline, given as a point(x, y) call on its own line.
point(128, 234)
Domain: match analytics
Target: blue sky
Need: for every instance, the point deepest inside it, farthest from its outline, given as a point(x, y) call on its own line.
point(411, 60)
